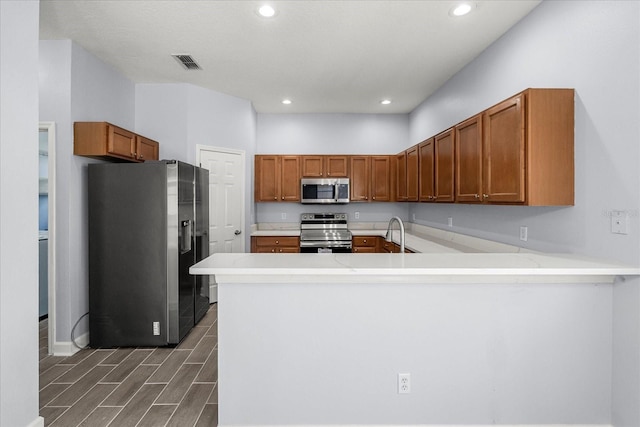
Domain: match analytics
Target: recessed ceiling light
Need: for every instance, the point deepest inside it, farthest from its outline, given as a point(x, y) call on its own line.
point(385, 102)
point(461, 9)
point(266, 11)
point(286, 101)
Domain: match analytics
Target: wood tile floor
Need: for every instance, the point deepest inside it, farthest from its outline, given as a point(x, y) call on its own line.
point(134, 386)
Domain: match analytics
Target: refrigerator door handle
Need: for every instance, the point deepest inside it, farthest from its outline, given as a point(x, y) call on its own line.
point(186, 237)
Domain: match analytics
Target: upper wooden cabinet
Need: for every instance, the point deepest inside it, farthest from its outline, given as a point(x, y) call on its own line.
point(381, 179)
point(104, 140)
point(412, 174)
point(426, 171)
point(370, 178)
point(504, 152)
point(468, 166)
point(444, 149)
point(528, 149)
point(401, 177)
point(277, 178)
point(328, 166)
point(146, 149)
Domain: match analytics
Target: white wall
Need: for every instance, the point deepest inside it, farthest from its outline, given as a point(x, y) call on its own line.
point(331, 134)
point(19, 213)
point(478, 354)
point(182, 116)
point(592, 46)
point(76, 86)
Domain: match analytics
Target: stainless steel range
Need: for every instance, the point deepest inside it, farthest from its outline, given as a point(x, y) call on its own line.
point(324, 233)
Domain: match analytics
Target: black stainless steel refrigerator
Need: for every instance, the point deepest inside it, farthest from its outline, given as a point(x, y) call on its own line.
point(148, 223)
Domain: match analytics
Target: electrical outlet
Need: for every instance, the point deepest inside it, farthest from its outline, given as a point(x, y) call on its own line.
point(283, 215)
point(524, 233)
point(357, 215)
point(619, 221)
point(450, 221)
point(414, 217)
point(404, 383)
point(156, 328)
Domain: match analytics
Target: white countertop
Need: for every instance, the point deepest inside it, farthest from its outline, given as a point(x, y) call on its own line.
point(410, 268)
point(442, 257)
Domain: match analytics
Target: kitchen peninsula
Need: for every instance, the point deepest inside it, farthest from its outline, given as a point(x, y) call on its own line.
point(487, 338)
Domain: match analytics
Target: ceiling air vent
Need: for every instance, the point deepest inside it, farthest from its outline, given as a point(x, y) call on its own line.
point(187, 62)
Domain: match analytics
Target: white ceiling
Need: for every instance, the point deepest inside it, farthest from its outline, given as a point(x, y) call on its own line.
point(326, 56)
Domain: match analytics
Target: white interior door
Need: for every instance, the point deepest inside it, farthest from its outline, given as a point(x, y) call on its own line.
point(226, 201)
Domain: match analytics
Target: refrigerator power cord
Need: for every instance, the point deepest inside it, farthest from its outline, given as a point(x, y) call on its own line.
point(73, 339)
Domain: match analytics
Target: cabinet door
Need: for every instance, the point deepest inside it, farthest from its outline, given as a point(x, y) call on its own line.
point(468, 137)
point(146, 149)
point(401, 177)
point(312, 166)
point(267, 179)
point(290, 179)
point(359, 179)
point(504, 152)
point(426, 171)
point(412, 174)
point(380, 178)
point(120, 142)
point(336, 166)
point(444, 152)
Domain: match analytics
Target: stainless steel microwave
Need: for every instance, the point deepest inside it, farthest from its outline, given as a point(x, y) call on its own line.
point(329, 190)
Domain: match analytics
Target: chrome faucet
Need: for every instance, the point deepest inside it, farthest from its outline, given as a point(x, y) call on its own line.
point(388, 236)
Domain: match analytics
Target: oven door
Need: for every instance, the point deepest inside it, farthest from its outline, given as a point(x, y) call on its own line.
point(325, 249)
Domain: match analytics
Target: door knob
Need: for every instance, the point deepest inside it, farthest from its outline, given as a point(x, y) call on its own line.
point(237, 232)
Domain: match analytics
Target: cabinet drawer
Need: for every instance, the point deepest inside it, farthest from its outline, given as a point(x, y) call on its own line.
point(277, 241)
point(390, 247)
point(364, 249)
point(276, 250)
point(368, 241)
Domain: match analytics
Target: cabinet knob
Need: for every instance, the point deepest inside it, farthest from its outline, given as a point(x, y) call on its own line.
point(273, 250)
point(277, 242)
point(282, 197)
point(275, 198)
point(142, 156)
point(364, 240)
point(486, 196)
point(374, 197)
point(477, 196)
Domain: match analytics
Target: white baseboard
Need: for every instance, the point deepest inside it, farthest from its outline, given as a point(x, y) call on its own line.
point(67, 348)
point(38, 422)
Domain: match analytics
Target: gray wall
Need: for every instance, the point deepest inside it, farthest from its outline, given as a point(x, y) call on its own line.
point(593, 47)
point(331, 134)
point(182, 116)
point(19, 213)
point(76, 86)
point(590, 46)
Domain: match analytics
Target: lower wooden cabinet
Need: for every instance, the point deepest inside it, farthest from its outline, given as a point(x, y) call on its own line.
point(375, 244)
point(365, 244)
point(275, 244)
